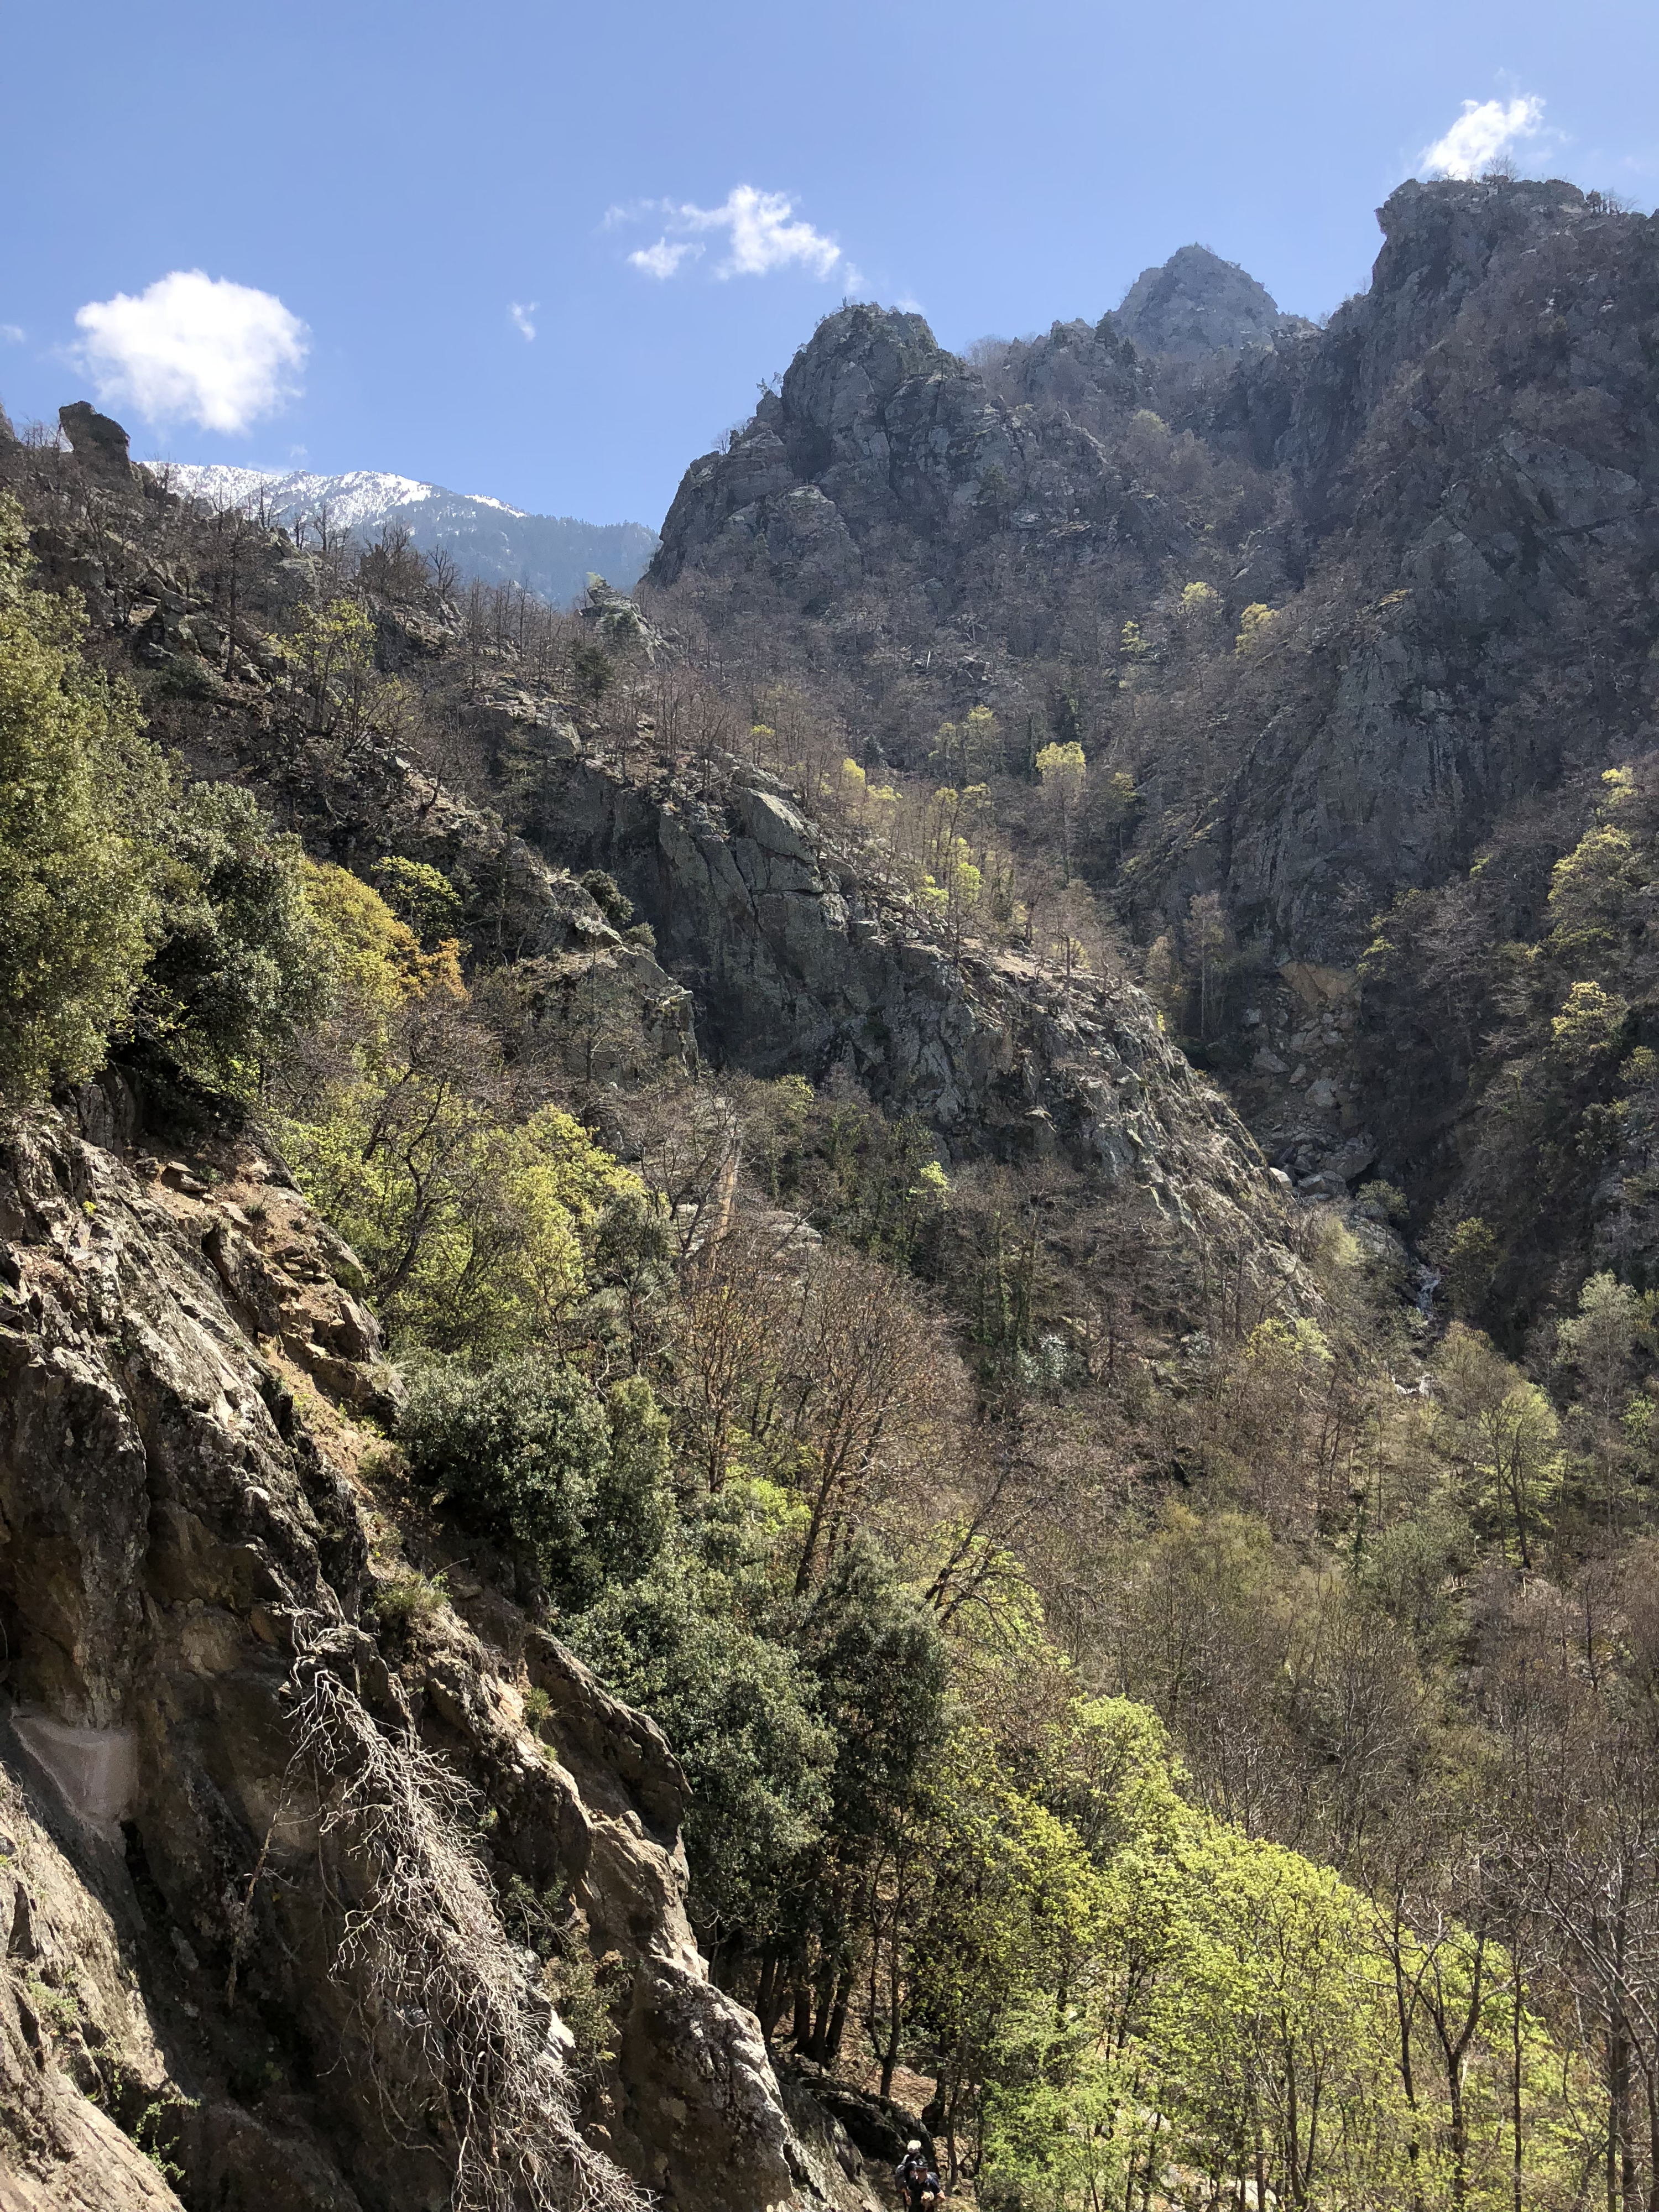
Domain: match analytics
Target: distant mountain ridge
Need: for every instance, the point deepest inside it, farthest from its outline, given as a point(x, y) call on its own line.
point(550, 555)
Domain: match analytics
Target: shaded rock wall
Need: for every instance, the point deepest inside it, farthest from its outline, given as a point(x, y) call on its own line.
point(802, 957)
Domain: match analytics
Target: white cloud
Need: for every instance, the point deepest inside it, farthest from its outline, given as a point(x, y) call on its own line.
point(1486, 131)
point(662, 259)
point(520, 312)
point(761, 233)
point(223, 355)
point(10, 334)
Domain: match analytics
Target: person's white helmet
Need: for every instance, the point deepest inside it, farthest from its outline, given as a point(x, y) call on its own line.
point(915, 2144)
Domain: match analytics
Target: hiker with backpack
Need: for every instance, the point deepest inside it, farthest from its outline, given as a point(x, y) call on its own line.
point(918, 2184)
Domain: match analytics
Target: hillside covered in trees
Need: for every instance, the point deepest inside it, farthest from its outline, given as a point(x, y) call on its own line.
point(868, 1347)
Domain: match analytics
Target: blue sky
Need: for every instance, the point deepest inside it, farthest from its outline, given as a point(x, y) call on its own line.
point(371, 190)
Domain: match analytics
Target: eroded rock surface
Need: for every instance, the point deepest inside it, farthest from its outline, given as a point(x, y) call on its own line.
point(802, 957)
point(185, 1568)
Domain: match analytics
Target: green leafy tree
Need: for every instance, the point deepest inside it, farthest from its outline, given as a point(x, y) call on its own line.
point(528, 1453)
point(700, 1643)
point(81, 795)
point(1589, 1027)
point(970, 750)
point(1502, 1432)
point(1063, 772)
point(420, 895)
point(237, 969)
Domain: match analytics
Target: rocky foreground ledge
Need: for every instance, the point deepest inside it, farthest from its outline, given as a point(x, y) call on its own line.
point(250, 1945)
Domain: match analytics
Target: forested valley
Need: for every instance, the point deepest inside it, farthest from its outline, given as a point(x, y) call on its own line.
point(947, 1233)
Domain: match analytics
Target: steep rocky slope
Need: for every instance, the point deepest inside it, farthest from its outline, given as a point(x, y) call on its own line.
point(253, 1943)
point(781, 944)
point(1445, 503)
point(237, 1730)
point(1450, 490)
point(883, 455)
point(1473, 437)
point(802, 957)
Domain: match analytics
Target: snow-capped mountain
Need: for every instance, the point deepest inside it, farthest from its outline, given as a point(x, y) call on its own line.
point(551, 554)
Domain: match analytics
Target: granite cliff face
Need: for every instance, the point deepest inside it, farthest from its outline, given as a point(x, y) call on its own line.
point(802, 957)
point(1452, 484)
point(883, 453)
point(1474, 439)
point(882, 449)
point(252, 1945)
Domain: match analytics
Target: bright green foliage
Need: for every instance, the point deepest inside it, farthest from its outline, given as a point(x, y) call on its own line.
point(1273, 2024)
point(373, 960)
point(330, 666)
point(1253, 625)
point(81, 792)
point(1602, 1338)
point(1063, 772)
point(473, 1231)
point(474, 1228)
point(1588, 1026)
point(969, 750)
point(1503, 1434)
point(238, 969)
point(420, 895)
point(1110, 1770)
point(1062, 769)
point(1122, 1987)
point(1016, 1909)
point(529, 1454)
point(1588, 892)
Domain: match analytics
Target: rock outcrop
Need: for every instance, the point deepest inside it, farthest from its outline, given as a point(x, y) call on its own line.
point(883, 451)
point(99, 443)
point(802, 956)
point(1458, 480)
point(1195, 304)
point(211, 1772)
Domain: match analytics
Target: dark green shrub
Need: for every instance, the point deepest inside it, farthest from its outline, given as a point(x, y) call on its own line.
point(529, 1454)
point(80, 793)
point(237, 969)
point(737, 1709)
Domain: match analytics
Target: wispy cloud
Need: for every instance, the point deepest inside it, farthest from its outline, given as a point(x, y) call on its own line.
point(520, 313)
point(12, 334)
point(662, 259)
point(762, 234)
point(1487, 131)
point(220, 354)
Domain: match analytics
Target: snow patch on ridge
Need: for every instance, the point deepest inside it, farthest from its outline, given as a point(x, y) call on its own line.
point(358, 500)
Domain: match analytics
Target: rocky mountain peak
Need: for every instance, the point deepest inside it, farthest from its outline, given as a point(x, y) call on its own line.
point(874, 419)
point(858, 359)
point(1441, 237)
point(1195, 304)
point(844, 377)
